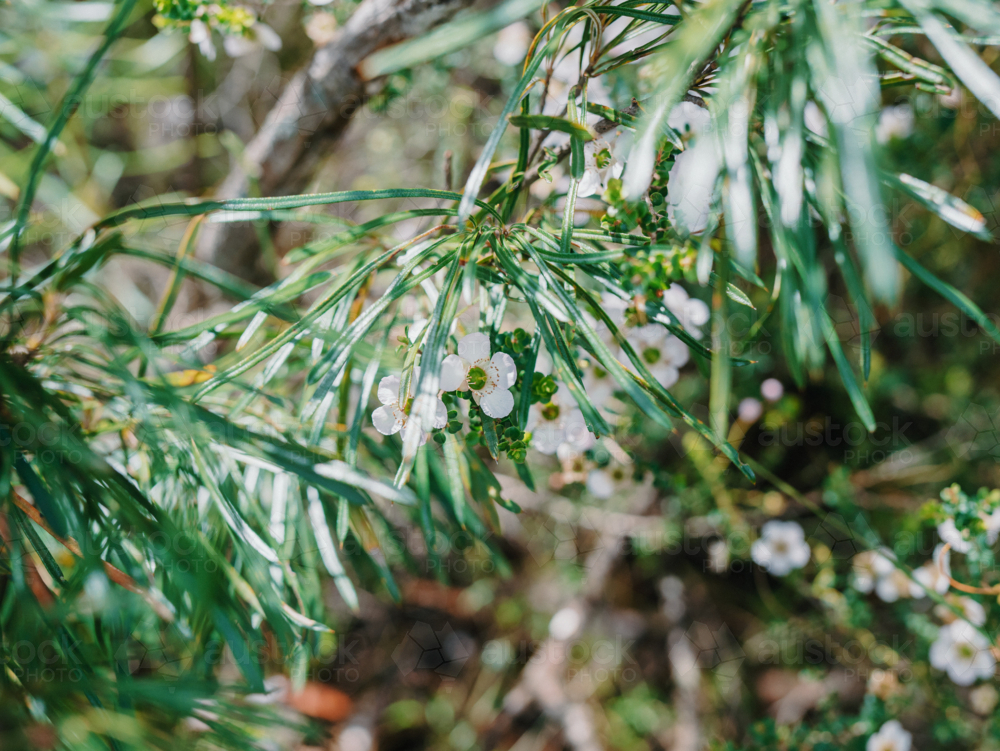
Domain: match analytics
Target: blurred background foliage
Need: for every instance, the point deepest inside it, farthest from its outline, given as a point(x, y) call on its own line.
point(629, 619)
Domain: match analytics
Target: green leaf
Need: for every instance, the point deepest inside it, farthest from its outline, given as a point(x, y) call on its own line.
point(41, 496)
point(490, 431)
point(548, 122)
point(947, 207)
point(950, 294)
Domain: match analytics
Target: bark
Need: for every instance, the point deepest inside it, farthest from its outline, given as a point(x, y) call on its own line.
point(310, 115)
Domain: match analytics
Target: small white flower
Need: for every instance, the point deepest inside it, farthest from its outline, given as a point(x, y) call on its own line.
point(512, 43)
point(688, 118)
point(893, 586)
point(948, 532)
point(992, 524)
point(894, 122)
point(663, 353)
point(608, 481)
point(869, 567)
point(690, 311)
point(971, 610)
point(201, 35)
point(983, 699)
point(602, 162)
point(392, 416)
point(781, 548)
point(932, 576)
point(490, 380)
point(890, 737)
point(599, 384)
point(750, 410)
point(963, 653)
point(557, 423)
point(772, 390)
point(260, 35)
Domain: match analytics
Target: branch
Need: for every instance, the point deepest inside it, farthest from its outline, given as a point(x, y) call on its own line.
point(311, 113)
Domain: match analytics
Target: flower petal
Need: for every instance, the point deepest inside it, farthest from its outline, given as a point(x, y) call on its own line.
point(440, 415)
point(600, 484)
point(388, 390)
point(386, 421)
point(498, 404)
point(577, 434)
point(453, 371)
point(547, 437)
point(590, 183)
point(666, 375)
point(675, 352)
point(506, 371)
point(474, 347)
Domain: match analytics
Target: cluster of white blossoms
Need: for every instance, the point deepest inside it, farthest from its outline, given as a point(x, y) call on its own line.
point(876, 571)
point(472, 369)
point(662, 352)
point(781, 548)
point(960, 539)
point(960, 650)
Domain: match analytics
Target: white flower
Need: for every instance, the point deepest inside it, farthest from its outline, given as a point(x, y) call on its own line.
point(869, 567)
point(599, 384)
point(781, 548)
point(894, 122)
point(893, 586)
point(933, 576)
point(488, 379)
point(750, 410)
point(992, 524)
point(948, 532)
point(890, 737)
point(557, 423)
point(983, 699)
point(690, 311)
point(971, 610)
point(663, 353)
point(201, 35)
point(963, 653)
point(602, 161)
point(260, 36)
point(691, 186)
point(392, 416)
point(772, 390)
point(512, 43)
point(688, 118)
point(608, 481)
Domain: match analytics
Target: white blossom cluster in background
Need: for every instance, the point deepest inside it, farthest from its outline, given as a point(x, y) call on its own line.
point(960, 649)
